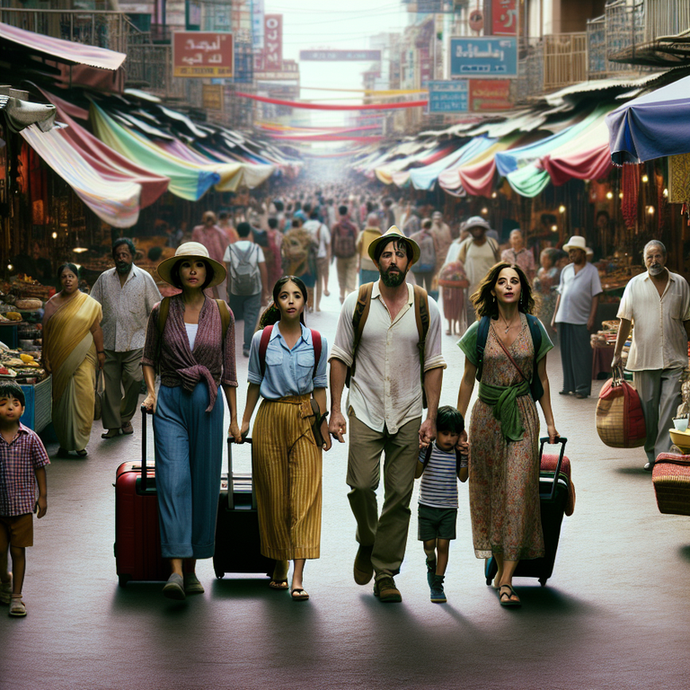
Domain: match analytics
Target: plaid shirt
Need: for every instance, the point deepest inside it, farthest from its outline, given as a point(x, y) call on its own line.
point(18, 462)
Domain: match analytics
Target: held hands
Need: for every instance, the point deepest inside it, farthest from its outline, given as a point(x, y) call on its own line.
point(427, 432)
point(327, 442)
point(149, 403)
point(337, 427)
point(463, 444)
point(234, 432)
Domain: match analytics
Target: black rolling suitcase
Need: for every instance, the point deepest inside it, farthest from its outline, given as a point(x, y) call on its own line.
point(553, 497)
point(237, 527)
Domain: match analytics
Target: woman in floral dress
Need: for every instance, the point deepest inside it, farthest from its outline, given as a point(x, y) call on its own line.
point(504, 428)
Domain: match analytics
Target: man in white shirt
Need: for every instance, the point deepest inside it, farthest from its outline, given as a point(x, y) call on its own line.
point(322, 238)
point(385, 407)
point(575, 314)
point(127, 294)
point(658, 302)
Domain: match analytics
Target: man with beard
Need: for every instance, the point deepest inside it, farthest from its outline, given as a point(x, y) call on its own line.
point(658, 302)
point(385, 406)
point(127, 294)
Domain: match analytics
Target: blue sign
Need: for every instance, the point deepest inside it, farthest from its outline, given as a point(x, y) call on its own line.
point(449, 96)
point(490, 56)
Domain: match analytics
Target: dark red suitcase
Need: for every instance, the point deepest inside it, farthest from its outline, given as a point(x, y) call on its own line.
point(556, 498)
point(137, 532)
point(671, 479)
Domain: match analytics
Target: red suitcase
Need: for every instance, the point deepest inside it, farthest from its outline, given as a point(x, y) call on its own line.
point(671, 479)
point(137, 532)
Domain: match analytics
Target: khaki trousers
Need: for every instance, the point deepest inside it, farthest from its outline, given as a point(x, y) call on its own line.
point(122, 376)
point(387, 533)
point(347, 275)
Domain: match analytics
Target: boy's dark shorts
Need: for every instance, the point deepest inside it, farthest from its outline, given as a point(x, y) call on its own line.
point(17, 531)
point(436, 523)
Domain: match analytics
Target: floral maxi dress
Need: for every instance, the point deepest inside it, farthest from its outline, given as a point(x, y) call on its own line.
point(504, 476)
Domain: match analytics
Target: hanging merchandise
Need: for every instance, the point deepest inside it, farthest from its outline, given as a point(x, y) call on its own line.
point(631, 190)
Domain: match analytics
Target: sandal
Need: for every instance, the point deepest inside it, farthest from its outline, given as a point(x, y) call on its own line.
point(511, 598)
point(299, 594)
point(278, 584)
point(82, 453)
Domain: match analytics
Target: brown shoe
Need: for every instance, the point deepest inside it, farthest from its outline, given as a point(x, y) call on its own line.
point(386, 591)
point(363, 569)
point(127, 428)
point(111, 433)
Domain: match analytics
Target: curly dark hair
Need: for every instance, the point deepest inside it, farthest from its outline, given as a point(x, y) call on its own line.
point(485, 304)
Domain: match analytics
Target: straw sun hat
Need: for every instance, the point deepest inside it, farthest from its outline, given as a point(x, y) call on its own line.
point(393, 233)
point(191, 251)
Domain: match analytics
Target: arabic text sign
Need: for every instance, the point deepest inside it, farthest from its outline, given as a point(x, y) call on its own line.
point(490, 94)
point(340, 55)
point(489, 56)
point(202, 54)
point(449, 96)
point(504, 17)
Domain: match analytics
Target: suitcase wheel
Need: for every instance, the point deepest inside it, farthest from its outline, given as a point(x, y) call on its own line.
point(542, 581)
point(220, 574)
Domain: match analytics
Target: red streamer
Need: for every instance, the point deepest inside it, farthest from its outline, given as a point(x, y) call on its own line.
point(319, 106)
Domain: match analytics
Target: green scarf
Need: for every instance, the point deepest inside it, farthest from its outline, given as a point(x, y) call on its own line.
point(503, 399)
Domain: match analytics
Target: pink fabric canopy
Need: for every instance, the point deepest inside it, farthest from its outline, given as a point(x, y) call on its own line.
point(582, 165)
point(321, 106)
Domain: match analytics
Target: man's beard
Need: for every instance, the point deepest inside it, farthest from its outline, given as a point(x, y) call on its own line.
point(122, 269)
point(392, 279)
point(656, 270)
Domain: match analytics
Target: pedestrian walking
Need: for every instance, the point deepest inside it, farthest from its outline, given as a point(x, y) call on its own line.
point(519, 254)
point(368, 273)
point(344, 244)
point(216, 241)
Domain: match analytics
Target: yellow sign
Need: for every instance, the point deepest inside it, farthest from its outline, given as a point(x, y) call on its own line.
point(212, 96)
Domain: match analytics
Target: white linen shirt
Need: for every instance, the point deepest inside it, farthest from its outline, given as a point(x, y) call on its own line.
point(126, 308)
point(659, 338)
point(577, 291)
point(386, 390)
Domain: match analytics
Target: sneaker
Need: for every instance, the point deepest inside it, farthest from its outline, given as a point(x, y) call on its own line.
point(17, 607)
point(438, 596)
point(245, 352)
point(6, 591)
point(386, 591)
point(192, 584)
point(430, 571)
point(174, 588)
point(649, 467)
point(363, 569)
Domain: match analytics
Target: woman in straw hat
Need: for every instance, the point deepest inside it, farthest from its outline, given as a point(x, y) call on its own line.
point(191, 339)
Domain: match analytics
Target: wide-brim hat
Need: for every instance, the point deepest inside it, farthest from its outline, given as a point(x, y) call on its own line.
point(577, 242)
point(393, 233)
point(191, 250)
point(476, 222)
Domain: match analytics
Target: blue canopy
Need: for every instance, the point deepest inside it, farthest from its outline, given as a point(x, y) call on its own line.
point(651, 126)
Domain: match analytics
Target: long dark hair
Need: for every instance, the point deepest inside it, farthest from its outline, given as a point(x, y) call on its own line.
point(272, 313)
point(485, 304)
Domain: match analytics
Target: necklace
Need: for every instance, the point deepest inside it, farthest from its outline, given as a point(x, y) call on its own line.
point(508, 326)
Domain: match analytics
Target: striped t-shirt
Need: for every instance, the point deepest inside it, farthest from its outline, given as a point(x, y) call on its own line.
point(439, 485)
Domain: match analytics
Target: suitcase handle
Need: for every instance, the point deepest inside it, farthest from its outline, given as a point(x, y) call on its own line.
point(231, 480)
point(562, 441)
point(143, 449)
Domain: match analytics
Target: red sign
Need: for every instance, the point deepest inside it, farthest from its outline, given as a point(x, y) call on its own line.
point(273, 43)
point(202, 54)
point(490, 94)
point(504, 18)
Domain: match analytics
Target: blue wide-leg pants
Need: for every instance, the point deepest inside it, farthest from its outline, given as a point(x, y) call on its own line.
point(189, 455)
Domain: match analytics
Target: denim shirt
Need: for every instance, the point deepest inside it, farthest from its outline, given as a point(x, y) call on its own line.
point(288, 372)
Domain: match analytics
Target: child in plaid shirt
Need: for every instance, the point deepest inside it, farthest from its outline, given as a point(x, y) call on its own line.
point(22, 466)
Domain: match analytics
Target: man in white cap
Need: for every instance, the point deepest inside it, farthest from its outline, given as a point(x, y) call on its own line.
point(478, 253)
point(575, 313)
point(385, 405)
point(658, 301)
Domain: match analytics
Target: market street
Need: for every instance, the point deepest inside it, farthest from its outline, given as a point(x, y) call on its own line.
point(614, 615)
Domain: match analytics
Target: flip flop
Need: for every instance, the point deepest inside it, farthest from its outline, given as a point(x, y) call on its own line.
point(508, 602)
point(278, 584)
point(299, 594)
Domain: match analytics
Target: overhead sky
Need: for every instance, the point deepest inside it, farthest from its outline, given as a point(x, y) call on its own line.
point(338, 24)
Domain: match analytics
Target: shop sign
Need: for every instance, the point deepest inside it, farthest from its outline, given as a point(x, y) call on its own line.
point(202, 54)
point(488, 56)
point(490, 94)
point(273, 43)
point(449, 96)
point(258, 12)
point(504, 17)
point(340, 55)
point(212, 96)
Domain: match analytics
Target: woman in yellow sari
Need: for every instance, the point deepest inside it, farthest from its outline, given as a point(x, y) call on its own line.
point(72, 348)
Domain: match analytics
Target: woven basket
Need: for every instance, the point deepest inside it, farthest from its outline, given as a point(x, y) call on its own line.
point(671, 479)
point(619, 417)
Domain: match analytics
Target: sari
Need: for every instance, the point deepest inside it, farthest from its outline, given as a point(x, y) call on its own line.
point(71, 352)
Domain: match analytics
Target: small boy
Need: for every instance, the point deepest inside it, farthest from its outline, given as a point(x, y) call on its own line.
point(22, 466)
point(439, 465)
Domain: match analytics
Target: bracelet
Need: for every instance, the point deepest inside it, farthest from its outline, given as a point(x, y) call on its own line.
point(100, 352)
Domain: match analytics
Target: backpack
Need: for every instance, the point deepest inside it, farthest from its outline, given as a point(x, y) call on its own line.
point(344, 239)
point(536, 389)
point(427, 457)
point(359, 318)
point(244, 270)
point(465, 245)
point(266, 337)
point(427, 254)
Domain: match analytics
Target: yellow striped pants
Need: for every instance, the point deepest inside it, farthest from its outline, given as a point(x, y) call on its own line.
point(287, 477)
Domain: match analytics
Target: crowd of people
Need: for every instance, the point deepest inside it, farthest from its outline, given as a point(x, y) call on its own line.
point(270, 270)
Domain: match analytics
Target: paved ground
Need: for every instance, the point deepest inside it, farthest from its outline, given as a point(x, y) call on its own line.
point(615, 614)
